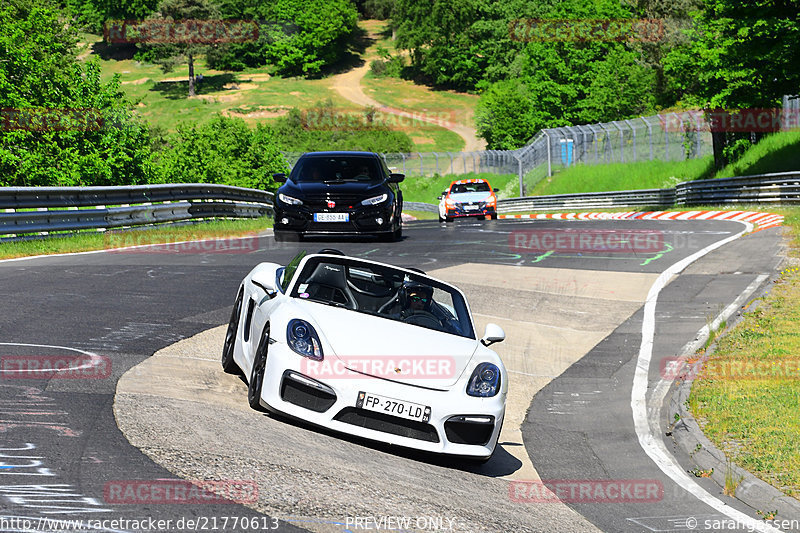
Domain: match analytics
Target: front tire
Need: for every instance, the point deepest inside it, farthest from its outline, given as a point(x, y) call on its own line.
point(228, 364)
point(398, 233)
point(256, 382)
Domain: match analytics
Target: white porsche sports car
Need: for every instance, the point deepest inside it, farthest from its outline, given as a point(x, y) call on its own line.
point(369, 349)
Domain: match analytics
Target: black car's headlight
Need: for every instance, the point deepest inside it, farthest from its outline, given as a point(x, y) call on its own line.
point(303, 339)
point(289, 200)
point(485, 380)
point(375, 200)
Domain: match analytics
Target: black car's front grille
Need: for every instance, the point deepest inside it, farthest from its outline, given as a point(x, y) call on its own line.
point(341, 203)
point(388, 424)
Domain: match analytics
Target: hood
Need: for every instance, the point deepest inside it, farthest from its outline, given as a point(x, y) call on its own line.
point(323, 190)
point(379, 347)
point(463, 197)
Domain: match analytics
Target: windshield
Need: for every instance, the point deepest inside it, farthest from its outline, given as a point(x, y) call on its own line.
point(337, 169)
point(386, 292)
point(480, 186)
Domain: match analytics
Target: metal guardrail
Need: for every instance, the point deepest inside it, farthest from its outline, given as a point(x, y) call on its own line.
point(642, 198)
point(420, 206)
point(777, 188)
point(59, 208)
point(52, 197)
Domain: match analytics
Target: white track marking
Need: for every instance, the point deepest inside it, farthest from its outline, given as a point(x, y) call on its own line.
point(648, 436)
point(94, 359)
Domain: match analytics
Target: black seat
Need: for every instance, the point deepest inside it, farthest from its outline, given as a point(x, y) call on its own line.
point(328, 282)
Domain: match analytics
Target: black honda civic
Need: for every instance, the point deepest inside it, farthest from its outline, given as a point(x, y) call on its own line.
point(339, 192)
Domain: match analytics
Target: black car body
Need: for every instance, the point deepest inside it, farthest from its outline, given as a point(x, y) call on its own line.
point(339, 192)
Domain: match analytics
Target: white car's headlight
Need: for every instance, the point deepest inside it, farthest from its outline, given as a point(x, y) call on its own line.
point(289, 200)
point(375, 200)
point(303, 339)
point(485, 380)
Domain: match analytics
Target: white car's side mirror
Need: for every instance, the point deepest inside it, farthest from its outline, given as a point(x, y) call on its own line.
point(264, 276)
point(493, 334)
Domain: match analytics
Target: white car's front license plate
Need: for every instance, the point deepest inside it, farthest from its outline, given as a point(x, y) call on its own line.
point(331, 217)
point(390, 406)
point(470, 207)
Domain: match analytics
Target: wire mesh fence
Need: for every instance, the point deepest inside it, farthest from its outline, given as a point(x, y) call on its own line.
point(665, 137)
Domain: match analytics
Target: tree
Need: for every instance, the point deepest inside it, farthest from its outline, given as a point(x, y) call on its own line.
point(223, 151)
point(298, 38)
point(96, 13)
point(743, 54)
point(177, 32)
point(60, 124)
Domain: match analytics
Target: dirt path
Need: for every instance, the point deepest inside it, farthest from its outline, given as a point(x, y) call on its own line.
point(349, 86)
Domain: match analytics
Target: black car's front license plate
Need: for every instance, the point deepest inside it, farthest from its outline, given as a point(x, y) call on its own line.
point(391, 406)
point(331, 217)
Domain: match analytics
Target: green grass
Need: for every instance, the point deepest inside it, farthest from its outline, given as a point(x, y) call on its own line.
point(422, 215)
point(752, 417)
point(88, 241)
point(447, 106)
point(779, 152)
point(621, 176)
point(424, 189)
point(257, 97)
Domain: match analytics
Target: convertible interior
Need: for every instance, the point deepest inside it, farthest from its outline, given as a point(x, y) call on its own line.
point(373, 291)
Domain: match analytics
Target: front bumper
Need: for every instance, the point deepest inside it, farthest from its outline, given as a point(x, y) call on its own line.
point(457, 424)
point(373, 219)
point(460, 210)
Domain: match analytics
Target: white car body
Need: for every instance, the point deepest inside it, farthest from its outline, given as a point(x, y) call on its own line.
point(454, 204)
point(369, 355)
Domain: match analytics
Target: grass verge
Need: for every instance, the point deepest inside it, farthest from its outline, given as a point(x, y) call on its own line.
point(622, 176)
point(89, 241)
point(747, 397)
point(422, 215)
point(779, 152)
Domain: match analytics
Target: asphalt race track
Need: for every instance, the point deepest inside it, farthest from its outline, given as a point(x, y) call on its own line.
point(574, 319)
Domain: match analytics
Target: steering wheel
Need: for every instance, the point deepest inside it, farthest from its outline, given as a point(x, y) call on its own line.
point(423, 318)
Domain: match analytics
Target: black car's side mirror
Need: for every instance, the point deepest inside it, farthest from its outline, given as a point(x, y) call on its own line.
point(496, 189)
point(280, 177)
point(438, 197)
point(396, 178)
